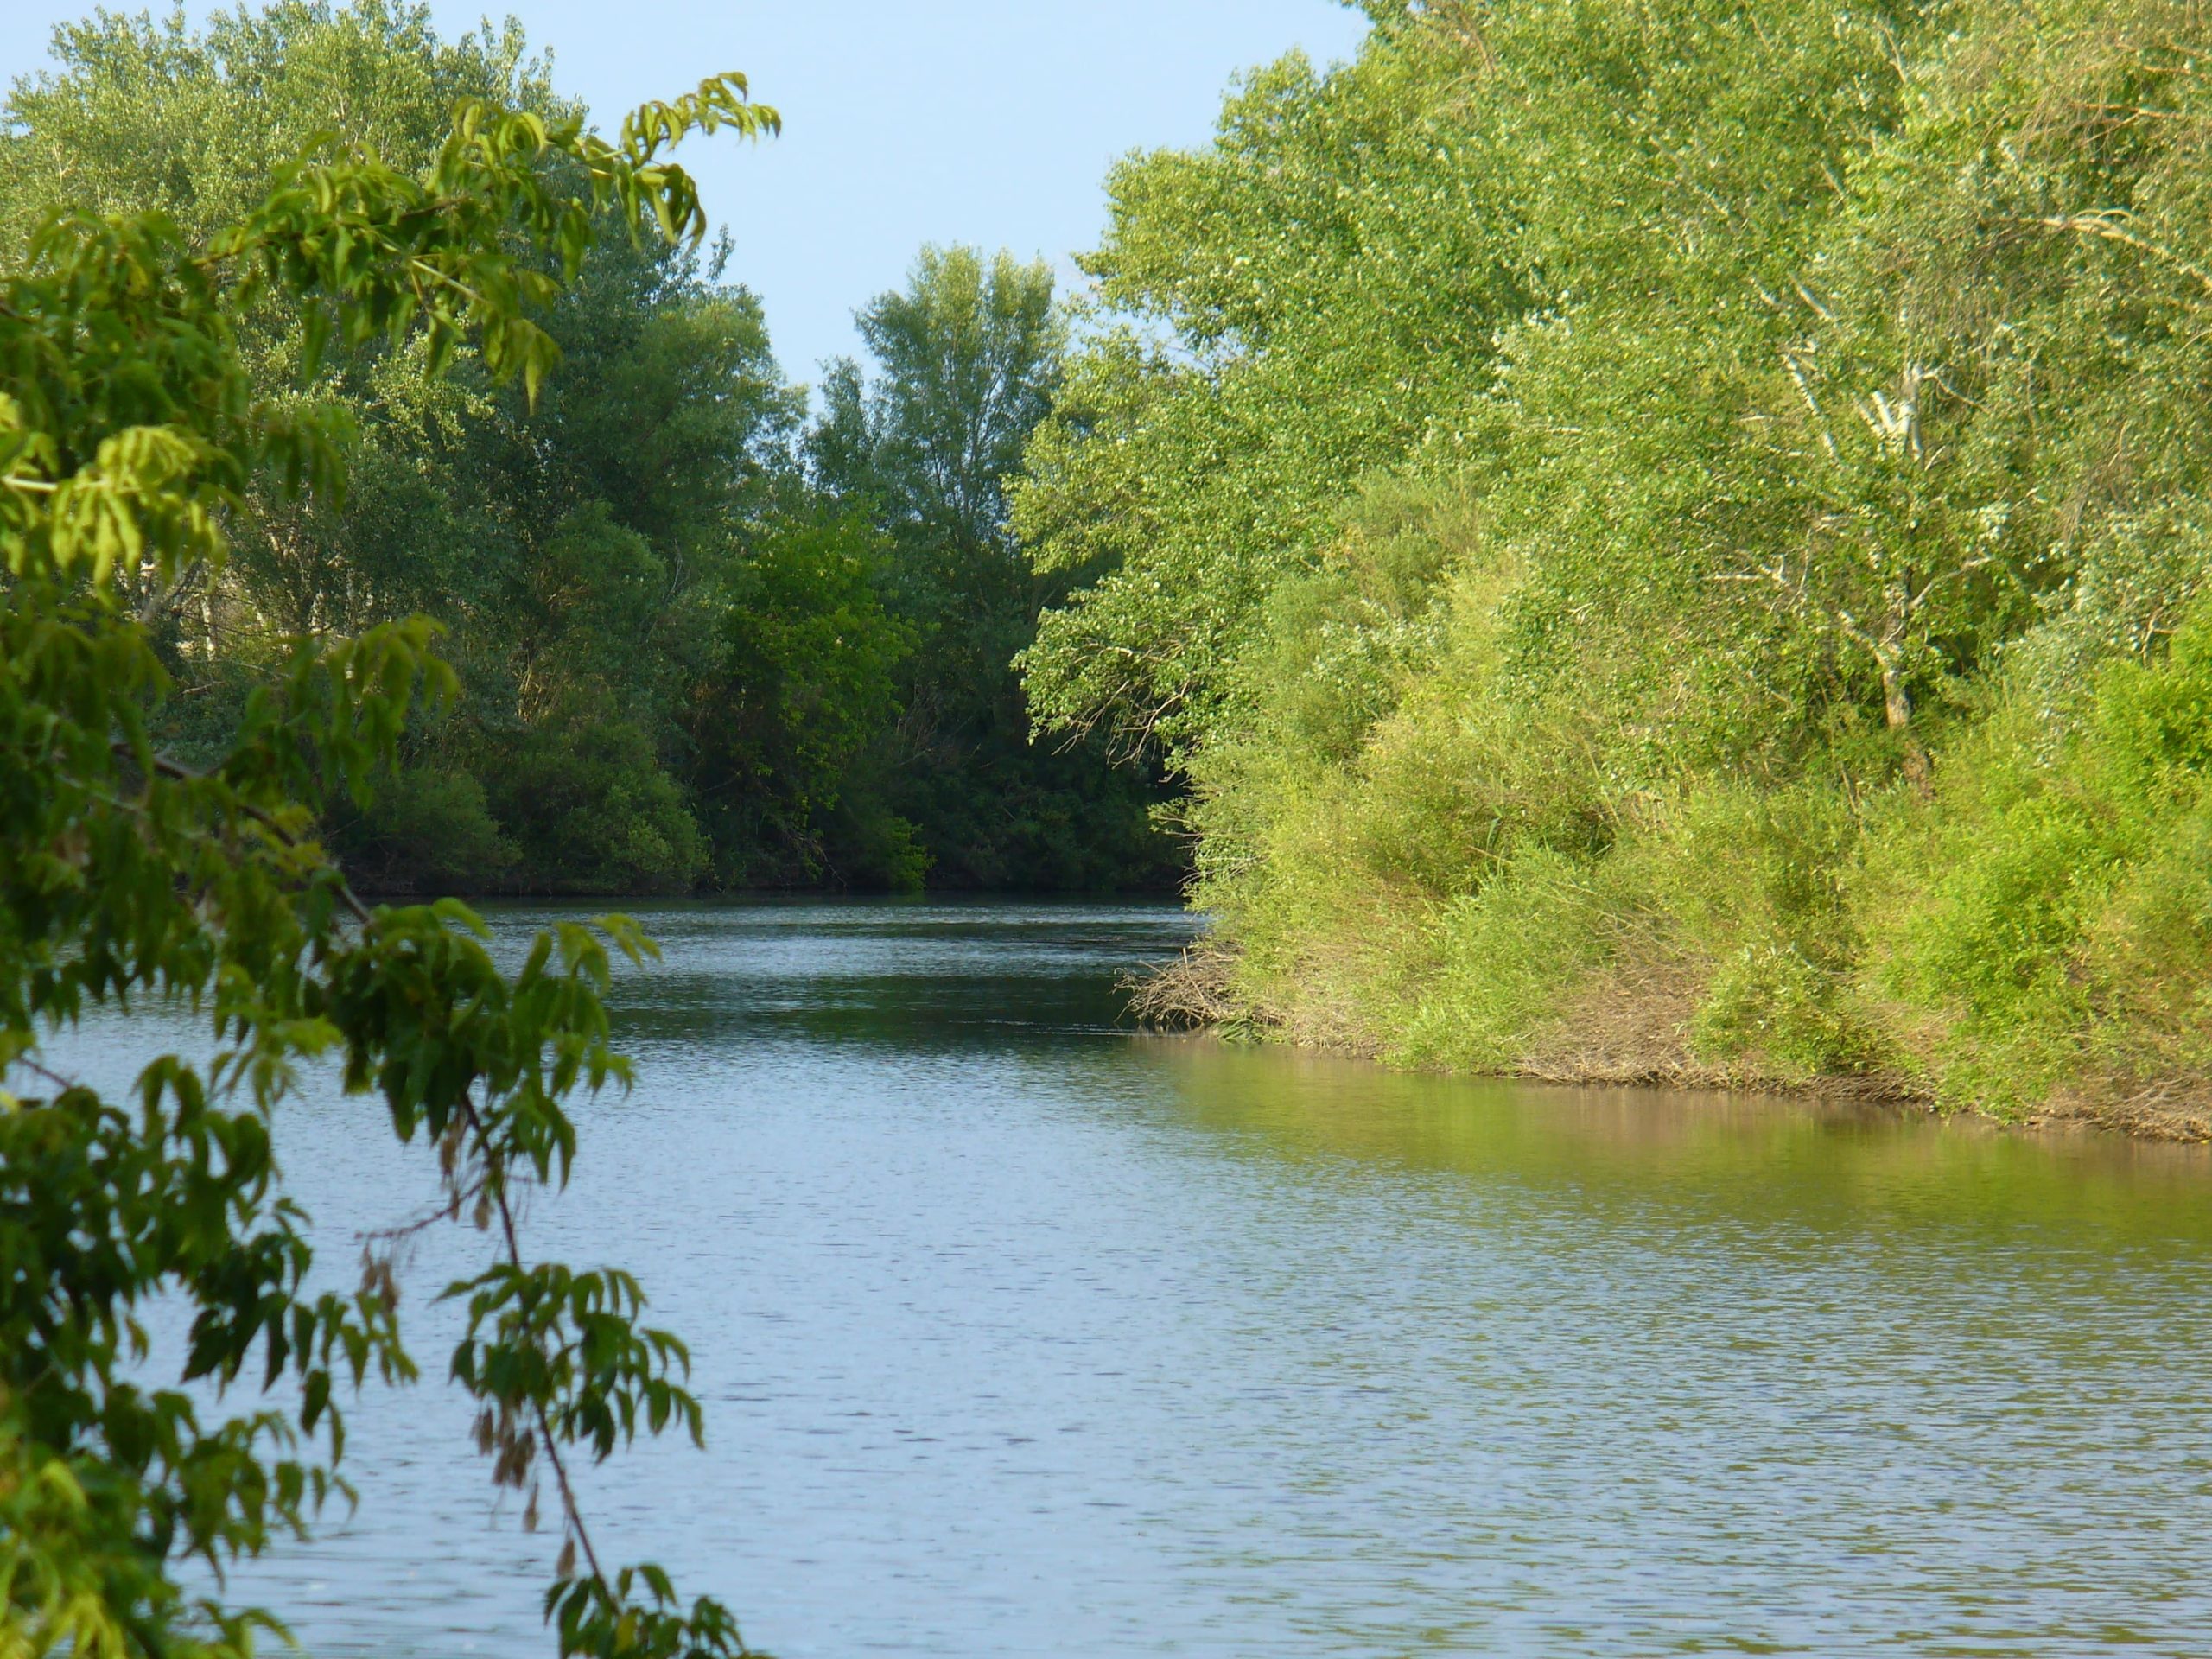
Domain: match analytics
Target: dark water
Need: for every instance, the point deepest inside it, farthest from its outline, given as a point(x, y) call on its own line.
point(1021, 1334)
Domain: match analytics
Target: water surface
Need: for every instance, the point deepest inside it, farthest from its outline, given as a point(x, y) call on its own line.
point(1023, 1334)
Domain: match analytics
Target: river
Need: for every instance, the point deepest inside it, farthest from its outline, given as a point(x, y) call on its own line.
point(1023, 1334)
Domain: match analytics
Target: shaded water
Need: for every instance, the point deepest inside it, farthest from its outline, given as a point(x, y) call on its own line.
point(1021, 1334)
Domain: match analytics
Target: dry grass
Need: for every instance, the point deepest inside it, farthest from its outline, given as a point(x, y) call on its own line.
point(1195, 992)
point(1630, 1027)
point(2168, 1109)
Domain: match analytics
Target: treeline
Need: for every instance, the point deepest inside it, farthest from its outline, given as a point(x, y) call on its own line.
point(704, 641)
point(1671, 537)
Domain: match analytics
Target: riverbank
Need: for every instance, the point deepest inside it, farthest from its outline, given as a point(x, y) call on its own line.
point(1638, 1037)
point(1741, 619)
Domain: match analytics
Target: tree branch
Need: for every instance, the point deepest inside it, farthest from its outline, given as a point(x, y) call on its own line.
point(497, 1191)
point(177, 770)
point(2110, 225)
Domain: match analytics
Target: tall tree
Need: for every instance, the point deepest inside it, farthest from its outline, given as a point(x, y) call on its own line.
point(580, 552)
point(1300, 302)
point(967, 361)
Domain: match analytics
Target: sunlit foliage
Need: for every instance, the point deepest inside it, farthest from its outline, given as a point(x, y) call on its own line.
point(1612, 504)
point(141, 434)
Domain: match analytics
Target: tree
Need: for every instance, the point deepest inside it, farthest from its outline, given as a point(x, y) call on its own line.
point(967, 357)
point(578, 552)
point(134, 433)
point(967, 362)
point(1974, 360)
point(1304, 300)
point(804, 682)
point(1632, 519)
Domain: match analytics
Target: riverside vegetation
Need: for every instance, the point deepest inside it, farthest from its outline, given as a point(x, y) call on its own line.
point(1664, 538)
point(701, 642)
point(1670, 539)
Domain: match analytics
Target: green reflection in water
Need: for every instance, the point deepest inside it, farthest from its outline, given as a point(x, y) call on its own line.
point(1835, 1165)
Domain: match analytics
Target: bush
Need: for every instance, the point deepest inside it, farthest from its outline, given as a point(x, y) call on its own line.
point(429, 830)
point(594, 811)
point(2051, 918)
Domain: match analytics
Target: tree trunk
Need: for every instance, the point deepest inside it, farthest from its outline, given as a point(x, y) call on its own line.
point(1896, 711)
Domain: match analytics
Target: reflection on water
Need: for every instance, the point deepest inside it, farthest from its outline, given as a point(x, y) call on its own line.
point(1023, 1334)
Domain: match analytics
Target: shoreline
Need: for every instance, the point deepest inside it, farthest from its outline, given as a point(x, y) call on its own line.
point(2154, 1115)
point(1192, 994)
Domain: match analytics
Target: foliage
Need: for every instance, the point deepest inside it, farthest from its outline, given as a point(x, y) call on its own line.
point(137, 432)
point(804, 685)
point(1279, 315)
point(1633, 519)
point(578, 543)
point(968, 356)
point(2056, 911)
point(589, 547)
point(967, 362)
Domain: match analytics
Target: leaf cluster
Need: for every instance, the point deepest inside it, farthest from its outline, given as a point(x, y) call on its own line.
point(132, 424)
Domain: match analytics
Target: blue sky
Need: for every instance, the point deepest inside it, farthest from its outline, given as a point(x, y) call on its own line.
point(906, 121)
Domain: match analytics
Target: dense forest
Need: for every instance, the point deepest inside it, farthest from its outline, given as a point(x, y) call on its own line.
point(704, 642)
point(1670, 540)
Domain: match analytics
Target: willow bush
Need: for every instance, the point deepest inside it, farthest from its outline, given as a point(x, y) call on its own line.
point(1638, 522)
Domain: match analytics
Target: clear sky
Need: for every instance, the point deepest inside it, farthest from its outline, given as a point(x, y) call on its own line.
point(906, 121)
